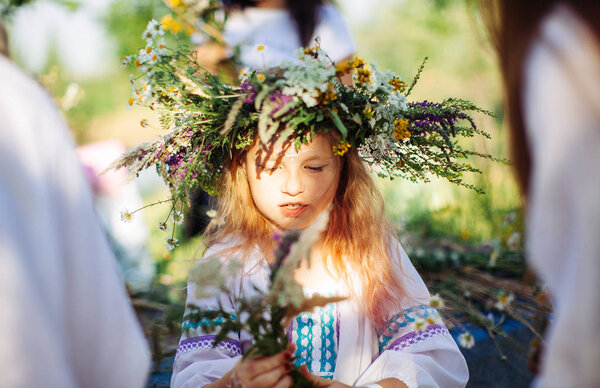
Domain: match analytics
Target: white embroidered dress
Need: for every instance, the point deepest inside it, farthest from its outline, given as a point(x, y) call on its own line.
point(426, 358)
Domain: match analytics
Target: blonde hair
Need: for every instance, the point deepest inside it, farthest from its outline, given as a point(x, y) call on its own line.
point(357, 215)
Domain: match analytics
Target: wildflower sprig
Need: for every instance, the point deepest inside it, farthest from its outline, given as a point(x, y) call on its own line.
point(267, 313)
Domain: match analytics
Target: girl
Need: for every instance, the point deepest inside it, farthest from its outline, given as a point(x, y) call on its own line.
point(279, 150)
point(556, 137)
point(370, 339)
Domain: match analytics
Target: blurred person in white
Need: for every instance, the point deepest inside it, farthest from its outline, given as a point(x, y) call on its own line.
point(281, 26)
point(65, 319)
point(268, 32)
point(549, 55)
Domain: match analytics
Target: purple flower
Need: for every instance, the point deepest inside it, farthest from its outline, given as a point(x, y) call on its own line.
point(280, 100)
point(250, 92)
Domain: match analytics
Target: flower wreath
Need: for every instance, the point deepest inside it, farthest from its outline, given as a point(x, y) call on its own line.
point(207, 118)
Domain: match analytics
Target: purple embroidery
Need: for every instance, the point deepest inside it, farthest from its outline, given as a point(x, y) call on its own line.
point(207, 342)
point(417, 336)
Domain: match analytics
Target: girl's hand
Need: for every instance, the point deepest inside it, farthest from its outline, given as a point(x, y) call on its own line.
point(326, 383)
point(319, 381)
point(259, 372)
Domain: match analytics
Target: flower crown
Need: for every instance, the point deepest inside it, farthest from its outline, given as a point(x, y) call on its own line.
point(207, 119)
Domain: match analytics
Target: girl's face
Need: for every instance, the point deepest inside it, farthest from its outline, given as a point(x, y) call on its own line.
point(291, 187)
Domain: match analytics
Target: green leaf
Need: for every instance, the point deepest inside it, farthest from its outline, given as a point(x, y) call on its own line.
point(338, 123)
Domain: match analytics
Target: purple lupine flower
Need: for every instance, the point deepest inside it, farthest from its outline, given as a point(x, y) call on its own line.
point(250, 92)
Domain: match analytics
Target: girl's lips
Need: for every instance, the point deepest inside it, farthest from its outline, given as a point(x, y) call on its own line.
point(293, 210)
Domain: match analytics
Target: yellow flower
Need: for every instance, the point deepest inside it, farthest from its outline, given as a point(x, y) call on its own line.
point(368, 112)
point(401, 131)
point(175, 3)
point(358, 63)
point(260, 77)
point(341, 148)
point(131, 101)
point(343, 68)
point(398, 84)
point(363, 75)
point(327, 96)
point(171, 24)
point(312, 51)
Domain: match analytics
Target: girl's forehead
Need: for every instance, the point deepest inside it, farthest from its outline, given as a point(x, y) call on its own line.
point(319, 147)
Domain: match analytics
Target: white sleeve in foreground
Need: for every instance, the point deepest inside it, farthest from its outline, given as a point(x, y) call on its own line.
point(420, 359)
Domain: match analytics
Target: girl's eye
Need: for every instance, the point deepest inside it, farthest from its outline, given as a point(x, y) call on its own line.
point(315, 168)
point(268, 169)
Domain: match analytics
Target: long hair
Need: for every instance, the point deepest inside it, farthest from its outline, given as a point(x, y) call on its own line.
point(359, 240)
point(304, 12)
point(513, 25)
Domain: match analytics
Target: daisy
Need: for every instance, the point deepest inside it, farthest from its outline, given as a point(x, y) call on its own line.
point(503, 301)
point(436, 301)
point(419, 324)
point(177, 217)
point(172, 242)
point(466, 340)
point(161, 47)
point(162, 226)
point(126, 216)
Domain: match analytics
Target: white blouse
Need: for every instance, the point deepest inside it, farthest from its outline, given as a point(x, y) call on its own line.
point(420, 358)
point(276, 30)
point(562, 117)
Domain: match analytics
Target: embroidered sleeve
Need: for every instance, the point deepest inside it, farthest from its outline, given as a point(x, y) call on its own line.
point(411, 326)
point(198, 361)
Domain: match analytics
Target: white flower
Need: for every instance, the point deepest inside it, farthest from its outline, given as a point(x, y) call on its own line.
point(153, 56)
point(437, 302)
point(466, 340)
point(125, 61)
point(161, 47)
point(172, 242)
point(177, 217)
point(418, 324)
point(503, 301)
point(126, 216)
point(212, 213)
point(513, 241)
point(162, 226)
point(153, 28)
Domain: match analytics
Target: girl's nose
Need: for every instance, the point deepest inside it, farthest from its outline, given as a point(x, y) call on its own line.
point(292, 184)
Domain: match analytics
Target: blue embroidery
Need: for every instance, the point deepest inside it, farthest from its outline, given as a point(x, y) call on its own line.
point(403, 319)
point(316, 344)
point(193, 320)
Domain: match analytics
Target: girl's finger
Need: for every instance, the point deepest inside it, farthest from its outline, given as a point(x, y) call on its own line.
point(258, 366)
point(271, 377)
point(316, 380)
point(285, 382)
